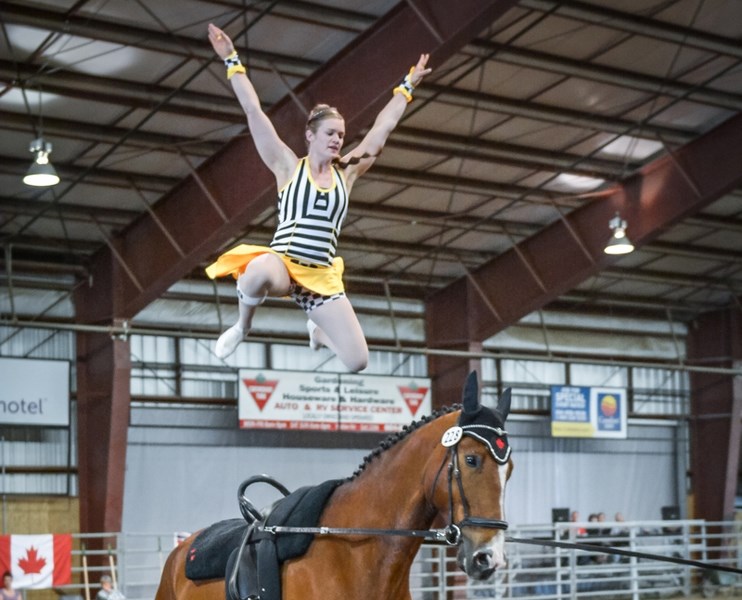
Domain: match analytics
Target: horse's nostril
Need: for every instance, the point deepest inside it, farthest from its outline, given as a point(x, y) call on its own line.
point(483, 559)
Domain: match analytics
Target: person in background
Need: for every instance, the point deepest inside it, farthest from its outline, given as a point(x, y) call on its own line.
point(107, 591)
point(619, 530)
point(575, 518)
point(597, 532)
point(8, 593)
point(313, 193)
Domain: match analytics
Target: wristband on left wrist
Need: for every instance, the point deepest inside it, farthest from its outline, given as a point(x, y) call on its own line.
point(406, 88)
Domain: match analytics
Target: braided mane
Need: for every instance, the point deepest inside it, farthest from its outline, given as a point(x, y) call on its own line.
point(398, 436)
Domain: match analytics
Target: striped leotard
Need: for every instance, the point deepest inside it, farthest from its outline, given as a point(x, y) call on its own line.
point(310, 217)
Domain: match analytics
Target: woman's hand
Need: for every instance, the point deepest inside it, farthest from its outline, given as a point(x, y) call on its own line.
point(419, 70)
point(220, 41)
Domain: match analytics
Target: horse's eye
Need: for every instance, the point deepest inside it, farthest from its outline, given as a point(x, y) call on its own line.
point(472, 460)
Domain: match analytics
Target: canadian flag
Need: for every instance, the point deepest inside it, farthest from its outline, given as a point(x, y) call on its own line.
point(37, 561)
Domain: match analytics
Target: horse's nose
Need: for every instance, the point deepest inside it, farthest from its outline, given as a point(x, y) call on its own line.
point(483, 562)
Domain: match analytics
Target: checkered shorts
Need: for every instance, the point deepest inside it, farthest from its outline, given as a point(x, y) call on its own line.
point(308, 299)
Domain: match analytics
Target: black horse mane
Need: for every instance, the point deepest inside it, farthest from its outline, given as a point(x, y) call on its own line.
point(398, 436)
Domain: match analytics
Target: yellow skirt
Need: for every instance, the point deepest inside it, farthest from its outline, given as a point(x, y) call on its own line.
point(321, 280)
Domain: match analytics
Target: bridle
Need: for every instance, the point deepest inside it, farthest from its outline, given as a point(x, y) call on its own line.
point(451, 534)
point(451, 439)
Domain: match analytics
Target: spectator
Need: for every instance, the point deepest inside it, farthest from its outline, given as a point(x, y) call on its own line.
point(575, 518)
point(619, 530)
point(601, 519)
point(8, 593)
point(107, 591)
point(596, 532)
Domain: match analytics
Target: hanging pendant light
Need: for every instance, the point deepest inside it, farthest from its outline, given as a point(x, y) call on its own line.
point(619, 242)
point(41, 173)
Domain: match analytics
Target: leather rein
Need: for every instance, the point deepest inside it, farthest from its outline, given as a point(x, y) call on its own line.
point(450, 535)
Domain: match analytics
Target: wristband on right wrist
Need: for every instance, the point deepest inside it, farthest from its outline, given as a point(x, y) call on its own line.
point(233, 64)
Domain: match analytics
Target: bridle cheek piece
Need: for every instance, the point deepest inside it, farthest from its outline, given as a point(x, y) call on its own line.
point(450, 439)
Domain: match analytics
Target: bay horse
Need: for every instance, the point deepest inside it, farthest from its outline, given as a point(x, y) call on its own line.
point(450, 467)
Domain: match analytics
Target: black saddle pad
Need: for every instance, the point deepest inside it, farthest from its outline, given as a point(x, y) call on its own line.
point(210, 550)
point(301, 508)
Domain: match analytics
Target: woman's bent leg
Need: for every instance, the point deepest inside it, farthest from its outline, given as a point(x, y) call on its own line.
point(264, 276)
point(338, 329)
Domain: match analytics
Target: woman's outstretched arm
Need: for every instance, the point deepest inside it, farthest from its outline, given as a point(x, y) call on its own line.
point(276, 155)
point(386, 121)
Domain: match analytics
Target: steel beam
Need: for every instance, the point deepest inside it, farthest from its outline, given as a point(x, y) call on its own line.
point(550, 114)
point(117, 32)
point(534, 59)
point(127, 93)
point(109, 134)
point(715, 340)
point(637, 24)
point(103, 379)
point(658, 196)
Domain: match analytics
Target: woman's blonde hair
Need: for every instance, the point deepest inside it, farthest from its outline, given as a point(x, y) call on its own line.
point(319, 113)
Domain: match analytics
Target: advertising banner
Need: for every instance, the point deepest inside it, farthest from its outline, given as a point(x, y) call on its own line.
point(329, 401)
point(589, 412)
point(34, 392)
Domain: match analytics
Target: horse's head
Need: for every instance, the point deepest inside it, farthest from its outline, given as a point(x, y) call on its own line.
point(479, 466)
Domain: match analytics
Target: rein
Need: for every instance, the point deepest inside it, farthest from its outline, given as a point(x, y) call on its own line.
point(621, 552)
point(450, 535)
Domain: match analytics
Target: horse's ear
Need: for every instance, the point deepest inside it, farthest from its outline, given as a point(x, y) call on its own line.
point(503, 404)
point(471, 394)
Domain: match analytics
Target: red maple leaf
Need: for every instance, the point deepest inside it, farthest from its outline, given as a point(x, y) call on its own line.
point(32, 563)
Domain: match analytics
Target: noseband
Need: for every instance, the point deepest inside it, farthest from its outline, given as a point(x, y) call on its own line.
point(450, 440)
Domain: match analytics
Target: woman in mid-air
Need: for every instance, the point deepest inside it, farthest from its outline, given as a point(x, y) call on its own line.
point(312, 203)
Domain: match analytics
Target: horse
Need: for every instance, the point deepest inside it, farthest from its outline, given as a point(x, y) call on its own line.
point(449, 467)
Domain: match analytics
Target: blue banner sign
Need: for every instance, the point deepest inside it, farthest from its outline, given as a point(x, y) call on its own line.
point(589, 412)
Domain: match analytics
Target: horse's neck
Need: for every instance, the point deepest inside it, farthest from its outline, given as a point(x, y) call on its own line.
point(392, 491)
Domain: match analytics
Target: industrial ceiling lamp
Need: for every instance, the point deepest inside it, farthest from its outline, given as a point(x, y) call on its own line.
point(41, 173)
point(619, 242)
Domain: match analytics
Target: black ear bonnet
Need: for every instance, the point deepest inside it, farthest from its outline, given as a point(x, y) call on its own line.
point(484, 424)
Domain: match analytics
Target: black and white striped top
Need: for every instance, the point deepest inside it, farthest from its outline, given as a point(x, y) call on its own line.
point(310, 217)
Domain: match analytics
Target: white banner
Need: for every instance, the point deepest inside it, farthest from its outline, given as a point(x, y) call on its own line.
point(329, 401)
point(34, 392)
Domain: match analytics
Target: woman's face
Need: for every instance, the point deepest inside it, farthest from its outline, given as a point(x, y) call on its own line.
point(328, 140)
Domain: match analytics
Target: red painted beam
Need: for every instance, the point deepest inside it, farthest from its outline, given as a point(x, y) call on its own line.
point(553, 261)
point(715, 340)
point(358, 81)
point(103, 380)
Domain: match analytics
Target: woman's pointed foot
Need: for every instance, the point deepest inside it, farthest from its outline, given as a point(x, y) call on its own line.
point(313, 343)
point(229, 340)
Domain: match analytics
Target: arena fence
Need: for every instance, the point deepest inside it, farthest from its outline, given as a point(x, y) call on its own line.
point(534, 571)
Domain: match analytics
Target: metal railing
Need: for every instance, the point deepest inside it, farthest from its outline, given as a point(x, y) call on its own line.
point(536, 572)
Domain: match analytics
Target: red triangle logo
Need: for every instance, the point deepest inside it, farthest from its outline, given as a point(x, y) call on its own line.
point(260, 389)
point(413, 396)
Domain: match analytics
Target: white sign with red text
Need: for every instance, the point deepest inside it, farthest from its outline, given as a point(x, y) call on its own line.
point(330, 401)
